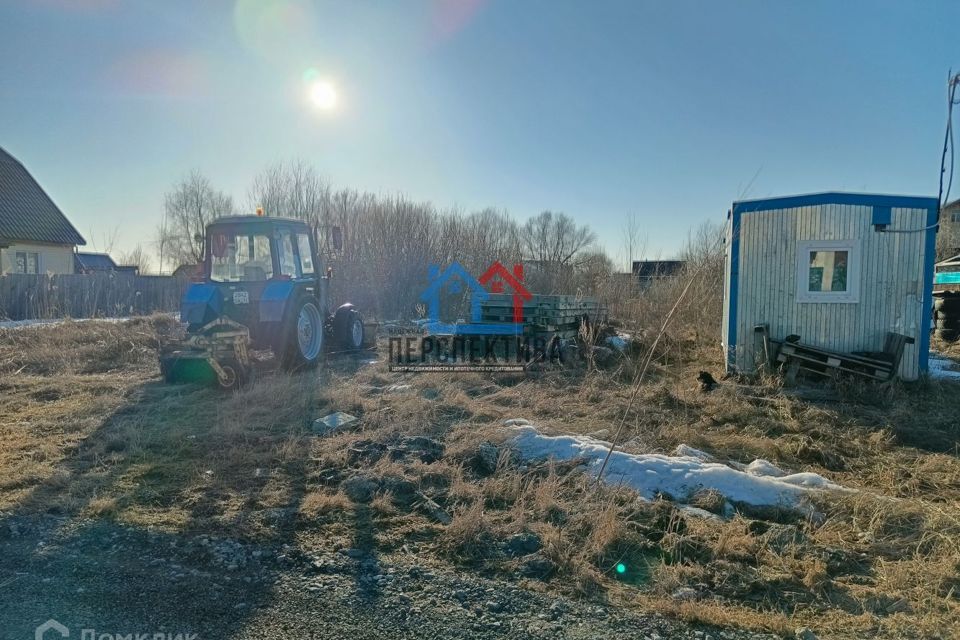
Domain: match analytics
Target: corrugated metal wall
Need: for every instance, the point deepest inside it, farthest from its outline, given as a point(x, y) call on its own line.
point(891, 281)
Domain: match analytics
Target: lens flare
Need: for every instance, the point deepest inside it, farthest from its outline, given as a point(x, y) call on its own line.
point(281, 31)
point(621, 568)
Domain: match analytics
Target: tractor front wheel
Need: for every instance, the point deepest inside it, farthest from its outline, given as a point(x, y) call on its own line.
point(235, 375)
point(302, 341)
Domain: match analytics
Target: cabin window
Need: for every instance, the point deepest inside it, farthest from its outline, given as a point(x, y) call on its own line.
point(237, 257)
point(828, 271)
point(288, 262)
point(306, 256)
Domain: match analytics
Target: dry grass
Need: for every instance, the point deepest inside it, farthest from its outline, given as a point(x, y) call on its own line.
point(87, 430)
point(950, 349)
point(321, 504)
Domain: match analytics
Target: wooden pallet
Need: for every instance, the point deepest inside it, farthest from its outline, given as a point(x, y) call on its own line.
point(881, 366)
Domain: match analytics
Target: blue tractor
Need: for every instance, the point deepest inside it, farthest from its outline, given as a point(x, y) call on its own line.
point(263, 287)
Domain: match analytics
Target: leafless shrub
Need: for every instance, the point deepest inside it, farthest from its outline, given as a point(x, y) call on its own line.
point(694, 331)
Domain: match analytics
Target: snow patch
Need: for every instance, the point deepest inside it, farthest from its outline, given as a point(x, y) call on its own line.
point(690, 452)
point(942, 369)
point(761, 467)
point(679, 476)
point(21, 324)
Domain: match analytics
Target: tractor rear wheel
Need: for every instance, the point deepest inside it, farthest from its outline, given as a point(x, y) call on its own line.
point(348, 328)
point(302, 338)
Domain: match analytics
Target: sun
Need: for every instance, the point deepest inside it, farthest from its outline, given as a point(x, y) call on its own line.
point(322, 95)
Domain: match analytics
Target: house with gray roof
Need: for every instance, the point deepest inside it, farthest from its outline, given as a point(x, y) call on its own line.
point(88, 262)
point(35, 236)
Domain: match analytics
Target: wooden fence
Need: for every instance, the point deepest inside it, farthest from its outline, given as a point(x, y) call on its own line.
point(92, 295)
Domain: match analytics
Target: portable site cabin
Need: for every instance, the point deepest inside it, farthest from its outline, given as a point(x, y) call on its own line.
point(838, 269)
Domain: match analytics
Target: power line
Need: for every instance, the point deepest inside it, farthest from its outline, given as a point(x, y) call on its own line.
point(944, 197)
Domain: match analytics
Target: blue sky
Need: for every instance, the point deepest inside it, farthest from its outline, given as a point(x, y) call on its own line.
point(596, 108)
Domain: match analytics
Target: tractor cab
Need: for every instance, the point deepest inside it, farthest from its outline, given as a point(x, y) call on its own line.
point(255, 264)
point(263, 285)
point(258, 249)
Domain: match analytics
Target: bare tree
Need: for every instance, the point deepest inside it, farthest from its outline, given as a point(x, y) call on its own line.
point(594, 271)
point(948, 238)
point(189, 207)
point(269, 190)
point(160, 241)
point(108, 241)
point(554, 238)
point(295, 190)
point(705, 245)
point(553, 247)
point(633, 245)
point(136, 257)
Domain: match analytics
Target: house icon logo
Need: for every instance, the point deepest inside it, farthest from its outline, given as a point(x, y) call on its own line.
point(497, 277)
point(454, 278)
point(54, 628)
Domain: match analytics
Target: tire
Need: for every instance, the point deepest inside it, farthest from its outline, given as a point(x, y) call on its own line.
point(348, 328)
point(947, 305)
point(948, 322)
point(236, 375)
point(301, 340)
point(948, 335)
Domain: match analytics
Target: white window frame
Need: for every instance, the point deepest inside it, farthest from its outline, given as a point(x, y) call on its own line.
point(26, 262)
point(852, 294)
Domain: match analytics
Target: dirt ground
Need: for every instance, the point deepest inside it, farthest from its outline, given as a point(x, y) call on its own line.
point(128, 505)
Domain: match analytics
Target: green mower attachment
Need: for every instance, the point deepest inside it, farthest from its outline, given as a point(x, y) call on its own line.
point(216, 353)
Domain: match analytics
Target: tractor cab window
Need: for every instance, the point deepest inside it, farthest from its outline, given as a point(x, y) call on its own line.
point(306, 256)
point(288, 261)
point(240, 257)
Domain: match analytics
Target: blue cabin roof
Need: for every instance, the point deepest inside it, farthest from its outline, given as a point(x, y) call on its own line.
point(837, 197)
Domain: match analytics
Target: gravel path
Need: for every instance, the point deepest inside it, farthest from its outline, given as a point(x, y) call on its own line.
point(118, 581)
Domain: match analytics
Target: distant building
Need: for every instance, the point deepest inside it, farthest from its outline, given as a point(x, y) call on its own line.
point(35, 236)
point(649, 271)
point(92, 262)
point(948, 240)
point(87, 262)
point(951, 214)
